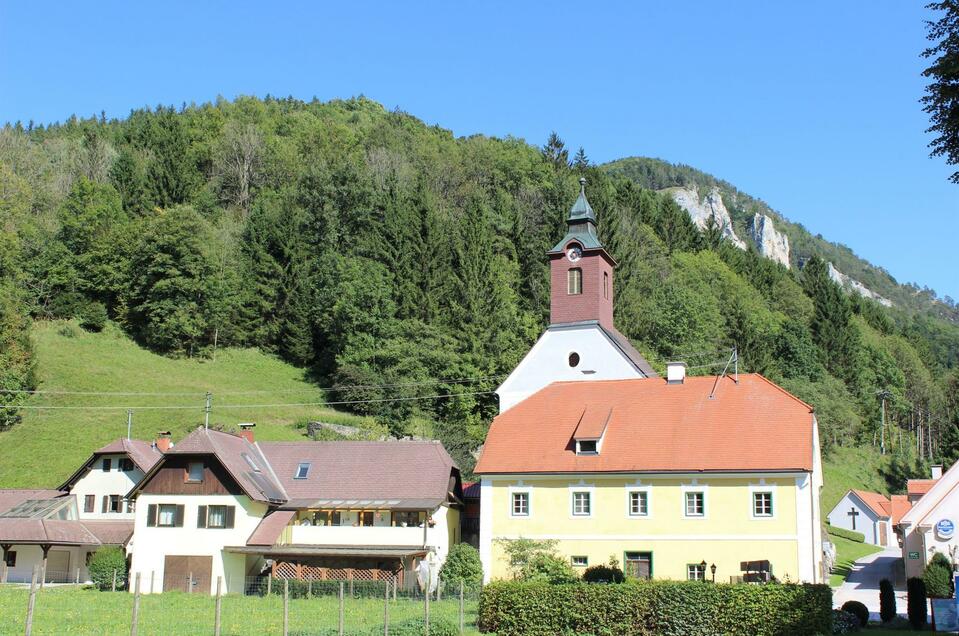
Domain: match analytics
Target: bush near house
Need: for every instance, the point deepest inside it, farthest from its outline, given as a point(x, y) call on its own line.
point(887, 601)
point(664, 608)
point(857, 609)
point(938, 576)
point(462, 565)
point(852, 535)
point(916, 602)
point(104, 562)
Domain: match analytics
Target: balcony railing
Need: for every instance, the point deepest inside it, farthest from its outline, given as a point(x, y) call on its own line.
point(352, 535)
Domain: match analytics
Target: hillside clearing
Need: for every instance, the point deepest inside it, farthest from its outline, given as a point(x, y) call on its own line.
point(47, 446)
point(848, 467)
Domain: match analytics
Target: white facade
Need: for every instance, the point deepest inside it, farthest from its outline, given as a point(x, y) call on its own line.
point(100, 483)
point(549, 361)
point(871, 525)
point(151, 545)
point(930, 526)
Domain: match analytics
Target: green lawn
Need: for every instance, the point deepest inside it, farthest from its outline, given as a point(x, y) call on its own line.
point(70, 359)
point(851, 467)
point(84, 611)
point(847, 552)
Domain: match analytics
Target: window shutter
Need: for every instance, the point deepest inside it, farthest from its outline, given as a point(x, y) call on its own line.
point(106, 502)
point(151, 516)
point(230, 516)
point(201, 517)
point(89, 502)
point(178, 520)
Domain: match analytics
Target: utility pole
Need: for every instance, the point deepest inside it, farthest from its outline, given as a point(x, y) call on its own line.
point(129, 422)
point(207, 409)
point(883, 394)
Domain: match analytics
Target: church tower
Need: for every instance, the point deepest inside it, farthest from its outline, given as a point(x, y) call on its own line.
point(581, 342)
point(581, 270)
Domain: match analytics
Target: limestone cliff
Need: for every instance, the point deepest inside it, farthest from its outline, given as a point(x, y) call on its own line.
point(770, 242)
point(854, 285)
point(700, 209)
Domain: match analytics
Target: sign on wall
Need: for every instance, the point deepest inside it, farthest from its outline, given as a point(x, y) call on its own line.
point(913, 555)
point(945, 528)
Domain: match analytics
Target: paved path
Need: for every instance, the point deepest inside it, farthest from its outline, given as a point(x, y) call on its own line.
point(862, 584)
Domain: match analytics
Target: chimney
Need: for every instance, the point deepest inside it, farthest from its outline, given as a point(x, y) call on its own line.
point(163, 442)
point(675, 372)
point(936, 471)
point(246, 431)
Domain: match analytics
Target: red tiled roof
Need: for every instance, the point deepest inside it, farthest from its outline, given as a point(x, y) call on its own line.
point(900, 506)
point(593, 422)
point(919, 486)
point(656, 427)
point(11, 498)
point(876, 502)
point(270, 527)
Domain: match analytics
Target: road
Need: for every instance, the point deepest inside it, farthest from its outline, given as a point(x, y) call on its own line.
point(862, 584)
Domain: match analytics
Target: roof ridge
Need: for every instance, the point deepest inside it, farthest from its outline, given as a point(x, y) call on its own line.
point(811, 408)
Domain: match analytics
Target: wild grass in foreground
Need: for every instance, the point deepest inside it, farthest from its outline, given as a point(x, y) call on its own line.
point(69, 610)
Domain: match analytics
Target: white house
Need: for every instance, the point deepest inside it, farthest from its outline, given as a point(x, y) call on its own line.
point(929, 527)
point(222, 505)
point(59, 529)
point(867, 512)
point(581, 342)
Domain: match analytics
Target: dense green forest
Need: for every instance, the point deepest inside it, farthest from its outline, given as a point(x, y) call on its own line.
point(372, 250)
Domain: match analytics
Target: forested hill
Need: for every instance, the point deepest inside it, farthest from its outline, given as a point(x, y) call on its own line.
point(372, 250)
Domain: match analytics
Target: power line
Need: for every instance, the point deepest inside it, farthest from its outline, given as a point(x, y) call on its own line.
point(239, 406)
point(338, 387)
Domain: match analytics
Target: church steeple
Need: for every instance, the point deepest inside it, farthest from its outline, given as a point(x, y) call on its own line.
point(581, 270)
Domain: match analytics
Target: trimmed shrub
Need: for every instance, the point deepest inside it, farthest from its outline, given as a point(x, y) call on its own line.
point(93, 316)
point(938, 577)
point(103, 563)
point(857, 609)
point(844, 622)
point(916, 603)
point(665, 608)
point(887, 601)
point(603, 574)
point(462, 565)
point(852, 535)
point(548, 568)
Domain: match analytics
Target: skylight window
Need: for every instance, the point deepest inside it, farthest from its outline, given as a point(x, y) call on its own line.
point(252, 464)
point(302, 470)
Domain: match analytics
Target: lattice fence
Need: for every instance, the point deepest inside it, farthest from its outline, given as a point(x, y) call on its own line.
point(287, 570)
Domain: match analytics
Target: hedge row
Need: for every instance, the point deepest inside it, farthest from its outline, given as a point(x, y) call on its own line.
point(665, 608)
point(852, 535)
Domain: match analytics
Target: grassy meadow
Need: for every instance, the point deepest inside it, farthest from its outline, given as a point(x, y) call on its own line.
point(47, 446)
point(67, 610)
point(851, 467)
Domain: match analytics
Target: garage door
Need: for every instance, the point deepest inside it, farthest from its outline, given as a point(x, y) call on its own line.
point(58, 566)
point(187, 573)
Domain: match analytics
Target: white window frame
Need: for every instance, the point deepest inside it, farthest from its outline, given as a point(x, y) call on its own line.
point(762, 487)
point(695, 567)
point(695, 487)
point(528, 491)
point(573, 561)
point(582, 486)
point(630, 491)
point(189, 472)
point(576, 494)
point(302, 470)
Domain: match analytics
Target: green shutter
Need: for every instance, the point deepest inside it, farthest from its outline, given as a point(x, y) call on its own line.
point(230, 515)
point(151, 516)
point(178, 518)
point(201, 517)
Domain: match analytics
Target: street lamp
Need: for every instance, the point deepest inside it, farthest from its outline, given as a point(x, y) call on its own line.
point(712, 568)
point(703, 566)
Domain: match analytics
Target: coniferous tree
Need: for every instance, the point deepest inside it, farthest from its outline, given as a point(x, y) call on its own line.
point(580, 161)
point(555, 151)
point(830, 326)
point(941, 100)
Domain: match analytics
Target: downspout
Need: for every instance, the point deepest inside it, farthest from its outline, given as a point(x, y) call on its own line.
point(816, 563)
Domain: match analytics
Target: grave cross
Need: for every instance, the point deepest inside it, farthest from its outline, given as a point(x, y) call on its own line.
point(853, 513)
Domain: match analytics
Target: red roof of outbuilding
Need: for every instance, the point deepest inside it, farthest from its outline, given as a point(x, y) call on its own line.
point(900, 506)
point(655, 427)
point(881, 506)
point(919, 486)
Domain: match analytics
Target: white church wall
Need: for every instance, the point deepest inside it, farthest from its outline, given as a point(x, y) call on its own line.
point(548, 362)
point(865, 521)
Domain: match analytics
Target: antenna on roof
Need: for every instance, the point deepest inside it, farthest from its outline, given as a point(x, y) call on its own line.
point(733, 360)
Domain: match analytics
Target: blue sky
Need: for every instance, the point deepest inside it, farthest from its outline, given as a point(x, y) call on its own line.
point(810, 106)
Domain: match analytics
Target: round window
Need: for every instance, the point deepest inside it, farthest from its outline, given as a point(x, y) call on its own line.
point(573, 359)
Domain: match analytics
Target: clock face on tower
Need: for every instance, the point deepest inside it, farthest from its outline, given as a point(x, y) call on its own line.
point(574, 254)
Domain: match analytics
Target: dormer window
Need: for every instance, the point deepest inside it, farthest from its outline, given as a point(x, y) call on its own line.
point(302, 470)
point(574, 281)
point(587, 447)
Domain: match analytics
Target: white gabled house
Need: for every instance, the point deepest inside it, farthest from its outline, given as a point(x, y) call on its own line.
point(930, 525)
point(58, 530)
point(867, 512)
point(223, 505)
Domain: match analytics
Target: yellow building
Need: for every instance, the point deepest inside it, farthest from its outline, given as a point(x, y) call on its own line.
point(661, 476)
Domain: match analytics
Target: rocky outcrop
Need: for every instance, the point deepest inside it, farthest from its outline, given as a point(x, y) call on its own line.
point(701, 209)
point(854, 285)
point(770, 242)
